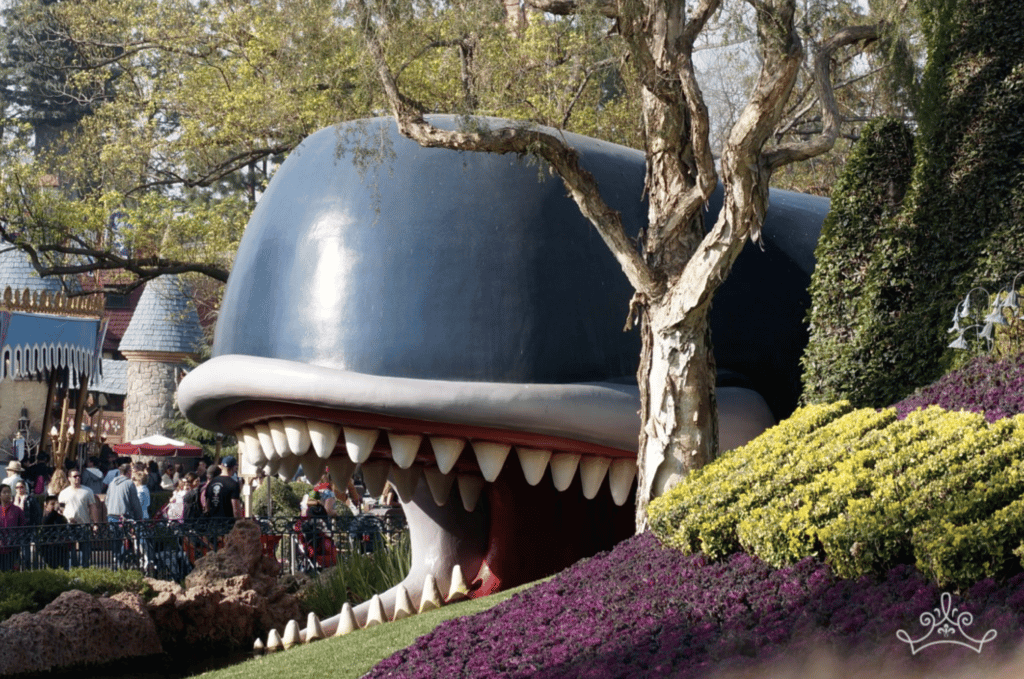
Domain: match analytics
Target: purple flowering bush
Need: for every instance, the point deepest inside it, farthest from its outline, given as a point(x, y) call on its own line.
point(643, 610)
point(987, 384)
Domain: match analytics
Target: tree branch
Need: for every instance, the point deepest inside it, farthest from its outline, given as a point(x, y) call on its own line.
point(564, 160)
point(608, 8)
point(796, 151)
point(144, 269)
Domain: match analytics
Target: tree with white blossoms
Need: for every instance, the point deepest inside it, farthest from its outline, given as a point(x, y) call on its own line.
point(676, 264)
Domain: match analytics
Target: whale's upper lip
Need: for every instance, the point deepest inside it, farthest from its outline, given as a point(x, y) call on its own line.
point(601, 413)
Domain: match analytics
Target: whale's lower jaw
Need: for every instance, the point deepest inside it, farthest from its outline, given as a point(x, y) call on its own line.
point(488, 507)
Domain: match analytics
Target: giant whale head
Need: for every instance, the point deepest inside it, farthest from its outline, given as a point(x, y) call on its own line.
point(450, 321)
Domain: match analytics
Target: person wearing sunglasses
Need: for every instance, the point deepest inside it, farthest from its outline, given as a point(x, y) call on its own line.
point(80, 508)
point(28, 503)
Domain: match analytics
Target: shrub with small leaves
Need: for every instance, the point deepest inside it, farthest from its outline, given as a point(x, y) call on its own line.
point(864, 491)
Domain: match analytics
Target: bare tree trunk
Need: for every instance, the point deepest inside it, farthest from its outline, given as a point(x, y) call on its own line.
point(677, 402)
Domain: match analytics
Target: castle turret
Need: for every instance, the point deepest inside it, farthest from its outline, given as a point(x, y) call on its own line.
point(164, 332)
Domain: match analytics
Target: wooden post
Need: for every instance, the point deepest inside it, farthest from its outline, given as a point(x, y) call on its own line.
point(83, 394)
point(62, 441)
point(51, 389)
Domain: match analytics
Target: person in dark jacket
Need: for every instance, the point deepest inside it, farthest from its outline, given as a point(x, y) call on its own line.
point(53, 550)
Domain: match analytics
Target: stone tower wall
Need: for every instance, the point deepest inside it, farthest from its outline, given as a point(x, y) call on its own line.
point(150, 400)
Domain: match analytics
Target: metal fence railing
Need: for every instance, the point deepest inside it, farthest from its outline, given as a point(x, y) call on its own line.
point(168, 549)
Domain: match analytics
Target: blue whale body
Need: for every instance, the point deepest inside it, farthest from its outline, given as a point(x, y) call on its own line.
point(395, 303)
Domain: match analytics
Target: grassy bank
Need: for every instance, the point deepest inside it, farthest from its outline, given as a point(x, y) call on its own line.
point(353, 655)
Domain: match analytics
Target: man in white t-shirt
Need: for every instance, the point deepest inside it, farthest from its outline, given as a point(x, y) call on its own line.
point(80, 507)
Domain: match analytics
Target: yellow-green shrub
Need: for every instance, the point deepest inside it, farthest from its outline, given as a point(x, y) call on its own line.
point(862, 490)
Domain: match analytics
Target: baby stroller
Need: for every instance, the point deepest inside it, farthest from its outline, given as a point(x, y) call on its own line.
point(316, 545)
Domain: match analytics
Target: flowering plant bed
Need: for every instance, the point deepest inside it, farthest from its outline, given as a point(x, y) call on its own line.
point(642, 610)
point(986, 385)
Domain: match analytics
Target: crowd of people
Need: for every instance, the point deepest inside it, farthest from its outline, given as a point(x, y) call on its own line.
point(114, 491)
point(105, 497)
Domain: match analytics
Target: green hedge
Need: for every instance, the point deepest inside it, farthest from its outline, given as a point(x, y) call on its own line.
point(859, 289)
point(958, 225)
point(31, 591)
point(286, 498)
point(864, 491)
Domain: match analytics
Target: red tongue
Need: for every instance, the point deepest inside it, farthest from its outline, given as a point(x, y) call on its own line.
point(536, 531)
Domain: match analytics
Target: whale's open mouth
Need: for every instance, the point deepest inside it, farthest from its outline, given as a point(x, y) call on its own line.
point(489, 506)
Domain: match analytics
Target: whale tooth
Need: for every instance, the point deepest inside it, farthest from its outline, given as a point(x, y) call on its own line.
point(491, 457)
point(563, 468)
point(253, 447)
point(470, 486)
point(278, 437)
point(375, 475)
point(359, 443)
point(440, 484)
point(342, 469)
point(314, 630)
point(404, 448)
point(406, 481)
point(273, 466)
point(592, 472)
point(375, 614)
point(446, 451)
point(431, 597)
point(403, 604)
point(285, 467)
point(257, 646)
point(297, 433)
point(458, 589)
point(266, 443)
point(313, 466)
point(323, 436)
point(347, 623)
point(255, 457)
point(534, 463)
point(291, 634)
point(274, 641)
point(620, 479)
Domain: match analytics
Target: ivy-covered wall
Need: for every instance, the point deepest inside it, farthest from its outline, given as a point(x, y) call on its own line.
point(961, 223)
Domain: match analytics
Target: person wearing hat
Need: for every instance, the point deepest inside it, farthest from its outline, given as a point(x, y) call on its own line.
point(229, 465)
point(14, 470)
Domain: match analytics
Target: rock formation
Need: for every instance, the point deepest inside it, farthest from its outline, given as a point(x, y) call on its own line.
point(77, 629)
point(232, 596)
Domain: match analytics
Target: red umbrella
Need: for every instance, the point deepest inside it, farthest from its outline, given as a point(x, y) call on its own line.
point(157, 445)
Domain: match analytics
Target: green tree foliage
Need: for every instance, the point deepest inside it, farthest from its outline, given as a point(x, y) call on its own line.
point(201, 101)
point(860, 283)
point(960, 224)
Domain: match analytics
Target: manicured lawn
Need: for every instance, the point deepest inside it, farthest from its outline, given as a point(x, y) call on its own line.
point(353, 655)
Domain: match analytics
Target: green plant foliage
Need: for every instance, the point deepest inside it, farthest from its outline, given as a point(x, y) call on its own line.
point(357, 577)
point(31, 591)
point(858, 287)
point(284, 501)
point(959, 224)
point(863, 490)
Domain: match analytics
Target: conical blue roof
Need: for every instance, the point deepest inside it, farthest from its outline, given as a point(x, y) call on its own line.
point(165, 320)
point(16, 272)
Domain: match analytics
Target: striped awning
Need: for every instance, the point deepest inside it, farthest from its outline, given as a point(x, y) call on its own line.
point(36, 338)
